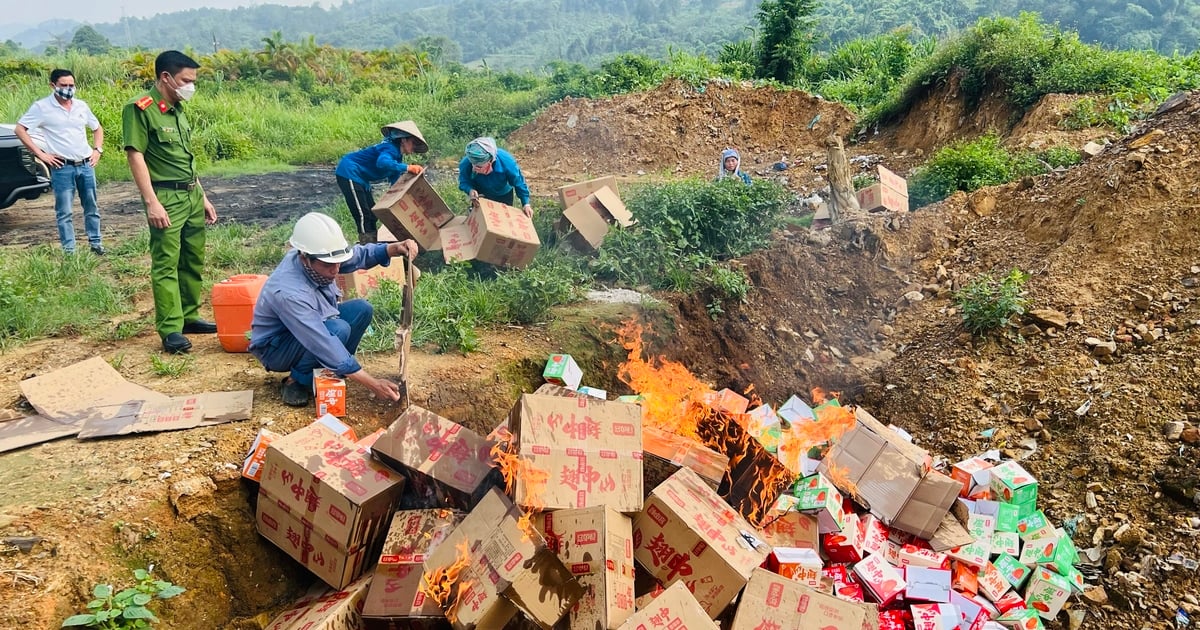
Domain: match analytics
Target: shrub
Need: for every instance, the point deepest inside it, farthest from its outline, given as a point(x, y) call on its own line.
point(684, 225)
point(528, 294)
point(967, 165)
point(987, 304)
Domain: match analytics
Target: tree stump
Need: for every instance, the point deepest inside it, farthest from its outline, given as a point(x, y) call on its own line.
point(843, 204)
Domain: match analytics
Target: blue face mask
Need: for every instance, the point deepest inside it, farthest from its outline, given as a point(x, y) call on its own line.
point(66, 93)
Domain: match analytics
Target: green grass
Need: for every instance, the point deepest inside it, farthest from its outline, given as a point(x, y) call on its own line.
point(171, 367)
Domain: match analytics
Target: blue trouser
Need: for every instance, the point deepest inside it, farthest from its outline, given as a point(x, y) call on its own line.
point(354, 316)
point(65, 180)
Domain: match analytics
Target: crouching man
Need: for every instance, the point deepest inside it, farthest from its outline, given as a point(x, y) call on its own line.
point(301, 325)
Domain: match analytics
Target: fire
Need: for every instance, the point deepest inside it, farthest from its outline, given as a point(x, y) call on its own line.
point(514, 468)
point(443, 584)
point(668, 388)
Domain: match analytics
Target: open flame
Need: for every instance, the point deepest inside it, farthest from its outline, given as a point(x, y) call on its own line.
point(514, 468)
point(443, 584)
point(667, 387)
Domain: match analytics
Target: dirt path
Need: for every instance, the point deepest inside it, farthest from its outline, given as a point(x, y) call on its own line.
point(261, 200)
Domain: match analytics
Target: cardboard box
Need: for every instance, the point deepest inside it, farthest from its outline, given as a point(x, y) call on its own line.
point(796, 410)
point(325, 502)
point(1021, 619)
point(329, 393)
point(882, 580)
point(765, 426)
point(1047, 592)
point(973, 474)
point(926, 584)
point(1014, 572)
point(325, 610)
point(1038, 551)
point(509, 568)
point(363, 282)
point(878, 197)
point(675, 609)
point(844, 546)
point(826, 504)
point(592, 217)
point(893, 181)
point(571, 194)
point(1012, 484)
point(789, 528)
point(973, 611)
point(976, 554)
point(411, 207)
point(881, 470)
point(447, 465)
point(665, 452)
point(253, 465)
point(1006, 542)
point(1034, 526)
point(728, 401)
point(756, 478)
point(594, 392)
point(596, 544)
point(493, 233)
point(844, 588)
point(771, 601)
point(591, 449)
point(395, 598)
point(561, 369)
point(992, 582)
point(689, 533)
point(935, 617)
point(797, 564)
point(917, 554)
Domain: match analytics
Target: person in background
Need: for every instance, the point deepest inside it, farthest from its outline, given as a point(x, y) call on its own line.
point(60, 119)
point(492, 173)
point(158, 147)
point(300, 323)
point(731, 166)
point(380, 162)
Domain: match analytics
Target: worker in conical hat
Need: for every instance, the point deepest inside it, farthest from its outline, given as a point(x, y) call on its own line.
point(384, 161)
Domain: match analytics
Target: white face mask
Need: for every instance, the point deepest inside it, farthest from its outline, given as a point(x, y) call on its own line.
point(184, 92)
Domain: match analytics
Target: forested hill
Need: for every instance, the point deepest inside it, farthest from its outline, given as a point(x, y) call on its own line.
point(530, 33)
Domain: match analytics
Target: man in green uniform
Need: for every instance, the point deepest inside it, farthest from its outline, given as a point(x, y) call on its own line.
point(158, 146)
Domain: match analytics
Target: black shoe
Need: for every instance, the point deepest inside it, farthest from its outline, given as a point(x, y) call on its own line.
point(176, 343)
point(200, 327)
point(98, 250)
point(295, 394)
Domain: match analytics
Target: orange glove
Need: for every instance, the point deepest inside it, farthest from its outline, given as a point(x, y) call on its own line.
point(416, 169)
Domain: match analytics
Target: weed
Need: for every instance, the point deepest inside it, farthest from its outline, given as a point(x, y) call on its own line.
point(968, 165)
point(127, 609)
point(988, 304)
point(528, 294)
point(172, 367)
point(127, 329)
point(118, 361)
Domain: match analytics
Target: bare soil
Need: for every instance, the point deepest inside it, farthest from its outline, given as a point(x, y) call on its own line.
point(1110, 244)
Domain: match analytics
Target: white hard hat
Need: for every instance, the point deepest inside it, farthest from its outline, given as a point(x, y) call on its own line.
point(318, 235)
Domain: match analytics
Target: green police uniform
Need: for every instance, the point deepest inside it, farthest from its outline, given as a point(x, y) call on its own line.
point(161, 133)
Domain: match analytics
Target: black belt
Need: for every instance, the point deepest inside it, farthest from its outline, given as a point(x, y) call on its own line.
point(175, 185)
point(67, 162)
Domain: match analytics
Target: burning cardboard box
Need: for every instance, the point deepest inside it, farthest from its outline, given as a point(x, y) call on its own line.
point(771, 601)
point(325, 609)
point(326, 503)
point(561, 369)
point(674, 609)
point(412, 207)
point(785, 527)
point(665, 452)
point(689, 533)
point(363, 282)
point(395, 597)
point(493, 233)
point(591, 449)
point(766, 427)
point(890, 476)
point(591, 218)
point(447, 465)
point(494, 564)
point(756, 478)
point(596, 544)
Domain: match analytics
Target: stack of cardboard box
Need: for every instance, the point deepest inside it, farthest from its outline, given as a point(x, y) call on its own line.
point(891, 193)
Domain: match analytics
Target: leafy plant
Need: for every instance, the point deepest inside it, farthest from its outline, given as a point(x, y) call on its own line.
point(173, 368)
point(126, 610)
point(968, 165)
point(987, 303)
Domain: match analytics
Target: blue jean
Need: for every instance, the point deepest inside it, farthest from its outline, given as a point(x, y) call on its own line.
point(65, 181)
point(354, 316)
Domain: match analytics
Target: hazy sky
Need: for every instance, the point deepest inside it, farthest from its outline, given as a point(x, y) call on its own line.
point(98, 11)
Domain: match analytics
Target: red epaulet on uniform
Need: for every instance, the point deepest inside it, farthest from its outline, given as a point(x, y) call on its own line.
point(144, 102)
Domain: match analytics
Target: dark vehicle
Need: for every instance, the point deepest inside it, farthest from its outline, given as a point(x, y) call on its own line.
point(22, 176)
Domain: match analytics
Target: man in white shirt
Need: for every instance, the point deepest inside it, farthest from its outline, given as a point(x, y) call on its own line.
point(59, 119)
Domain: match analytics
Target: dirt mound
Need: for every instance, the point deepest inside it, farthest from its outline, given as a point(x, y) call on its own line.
point(1110, 246)
point(676, 129)
point(1043, 126)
